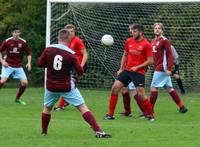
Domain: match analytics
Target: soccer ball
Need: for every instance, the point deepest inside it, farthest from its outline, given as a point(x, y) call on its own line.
point(107, 40)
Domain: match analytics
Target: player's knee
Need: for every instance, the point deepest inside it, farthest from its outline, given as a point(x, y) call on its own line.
point(3, 80)
point(141, 92)
point(176, 76)
point(169, 89)
point(24, 82)
point(83, 108)
point(153, 89)
point(47, 110)
point(117, 86)
point(124, 90)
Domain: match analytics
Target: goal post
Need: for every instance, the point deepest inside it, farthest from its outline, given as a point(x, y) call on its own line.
point(93, 19)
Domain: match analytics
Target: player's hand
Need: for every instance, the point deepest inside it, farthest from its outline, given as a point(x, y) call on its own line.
point(168, 72)
point(75, 79)
point(119, 71)
point(4, 63)
point(79, 77)
point(134, 68)
point(28, 66)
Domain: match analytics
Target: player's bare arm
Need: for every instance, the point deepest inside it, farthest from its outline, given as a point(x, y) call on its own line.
point(85, 57)
point(28, 65)
point(123, 62)
point(148, 62)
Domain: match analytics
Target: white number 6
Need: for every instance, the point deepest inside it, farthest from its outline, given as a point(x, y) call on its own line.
point(57, 63)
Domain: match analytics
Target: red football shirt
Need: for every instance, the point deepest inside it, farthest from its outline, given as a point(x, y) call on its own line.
point(138, 52)
point(59, 64)
point(14, 51)
point(160, 45)
point(77, 45)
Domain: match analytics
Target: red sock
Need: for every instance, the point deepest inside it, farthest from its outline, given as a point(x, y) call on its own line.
point(176, 98)
point(112, 103)
point(45, 122)
point(139, 102)
point(61, 102)
point(127, 102)
point(21, 90)
point(147, 106)
point(89, 118)
point(153, 98)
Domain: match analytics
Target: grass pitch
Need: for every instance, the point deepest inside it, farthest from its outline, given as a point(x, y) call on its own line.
point(20, 125)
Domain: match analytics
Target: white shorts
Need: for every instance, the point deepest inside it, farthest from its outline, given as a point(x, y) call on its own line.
point(15, 73)
point(131, 86)
point(161, 79)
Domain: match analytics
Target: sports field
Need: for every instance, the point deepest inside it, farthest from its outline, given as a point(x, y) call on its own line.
point(20, 125)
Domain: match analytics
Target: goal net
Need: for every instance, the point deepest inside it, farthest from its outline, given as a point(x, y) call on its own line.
point(93, 20)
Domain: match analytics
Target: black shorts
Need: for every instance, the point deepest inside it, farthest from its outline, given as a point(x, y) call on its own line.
point(128, 76)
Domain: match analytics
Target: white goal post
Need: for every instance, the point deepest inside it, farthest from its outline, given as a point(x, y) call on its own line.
point(94, 18)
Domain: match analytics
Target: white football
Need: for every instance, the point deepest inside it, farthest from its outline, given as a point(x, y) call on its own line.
point(107, 40)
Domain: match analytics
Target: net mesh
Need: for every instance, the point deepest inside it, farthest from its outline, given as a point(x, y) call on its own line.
point(93, 20)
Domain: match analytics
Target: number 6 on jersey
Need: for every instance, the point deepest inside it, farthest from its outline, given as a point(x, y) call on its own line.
point(57, 62)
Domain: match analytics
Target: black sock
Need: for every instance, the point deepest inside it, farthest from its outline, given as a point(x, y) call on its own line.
point(180, 85)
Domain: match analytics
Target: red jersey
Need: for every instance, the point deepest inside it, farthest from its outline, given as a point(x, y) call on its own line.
point(14, 51)
point(161, 46)
point(59, 61)
point(138, 52)
point(77, 45)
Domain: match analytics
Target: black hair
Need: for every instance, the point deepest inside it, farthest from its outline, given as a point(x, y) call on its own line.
point(15, 28)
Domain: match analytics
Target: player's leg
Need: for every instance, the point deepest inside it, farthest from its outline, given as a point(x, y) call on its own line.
point(5, 73)
point(75, 98)
point(177, 99)
point(139, 103)
point(126, 102)
point(153, 96)
point(3, 81)
point(146, 105)
point(61, 104)
point(90, 119)
point(46, 117)
point(178, 79)
point(139, 81)
point(50, 98)
point(159, 81)
point(22, 88)
point(117, 86)
point(123, 80)
point(180, 83)
point(20, 74)
point(132, 90)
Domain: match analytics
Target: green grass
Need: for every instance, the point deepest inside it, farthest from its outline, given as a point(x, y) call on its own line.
point(20, 125)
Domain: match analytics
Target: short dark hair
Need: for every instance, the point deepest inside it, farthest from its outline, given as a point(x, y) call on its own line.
point(15, 28)
point(137, 26)
point(63, 34)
